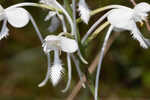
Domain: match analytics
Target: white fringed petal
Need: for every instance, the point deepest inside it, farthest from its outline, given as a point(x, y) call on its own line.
point(138, 36)
point(68, 45)
point(56, 73)
point(84, 11)
point(17, 17)
point(142, 7)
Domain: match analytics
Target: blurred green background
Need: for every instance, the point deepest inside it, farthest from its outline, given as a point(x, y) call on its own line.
point(125, 71)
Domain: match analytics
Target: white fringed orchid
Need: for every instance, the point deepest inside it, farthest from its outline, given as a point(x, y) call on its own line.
point(61, 17)
point(17, 17)
point(84, 11)
point(122, 18)
point(128, 19)
point(56, 73)
point(56, 44)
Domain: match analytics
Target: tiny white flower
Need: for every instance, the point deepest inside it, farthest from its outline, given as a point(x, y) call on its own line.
point(17, 17)
point(84, 11)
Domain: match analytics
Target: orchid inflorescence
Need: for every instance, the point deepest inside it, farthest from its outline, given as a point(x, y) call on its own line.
point(119, 18)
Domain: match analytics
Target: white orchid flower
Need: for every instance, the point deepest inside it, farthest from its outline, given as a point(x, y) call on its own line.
point(68, 17)
point(122, 18)
point(84, 11)
point(17, 17)
point(125, 19)
point(56, 44)
point(61, 17)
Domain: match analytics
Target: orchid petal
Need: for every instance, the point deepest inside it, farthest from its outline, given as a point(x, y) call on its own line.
point(68, 45)
point(17, 17)
point(101, 60)
point(69, 73)
point(142, 7)
point(76, 62)
point(48, 72)
point(4, 31)
point(51, 42)
point(120, 18)
point(45, 80)
point(145, 43)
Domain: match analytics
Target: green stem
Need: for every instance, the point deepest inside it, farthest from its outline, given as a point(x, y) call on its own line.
point(96, 32)
point(92, 90)
point(48, 7)
point(67, 6)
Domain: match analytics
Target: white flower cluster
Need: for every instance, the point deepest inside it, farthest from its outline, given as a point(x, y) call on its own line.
point(119, 17)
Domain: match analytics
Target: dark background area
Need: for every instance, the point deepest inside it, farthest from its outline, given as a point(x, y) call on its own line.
point(23, 65)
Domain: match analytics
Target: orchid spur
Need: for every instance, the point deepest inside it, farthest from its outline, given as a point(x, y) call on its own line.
point(122, 18)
